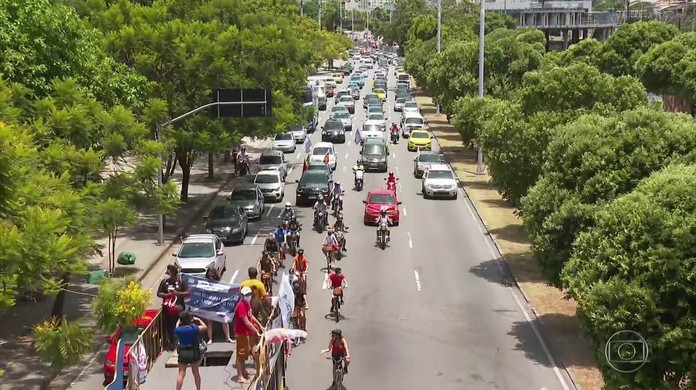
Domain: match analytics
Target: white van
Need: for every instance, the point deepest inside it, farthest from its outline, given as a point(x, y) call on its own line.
point(410, 121)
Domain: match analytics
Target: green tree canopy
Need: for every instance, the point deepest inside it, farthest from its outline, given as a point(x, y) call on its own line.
point(594, 160)
point(634, 270)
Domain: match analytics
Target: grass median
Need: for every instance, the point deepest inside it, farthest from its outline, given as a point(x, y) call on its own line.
point(557, 315)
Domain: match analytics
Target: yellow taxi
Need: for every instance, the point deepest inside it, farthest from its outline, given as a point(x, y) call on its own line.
point(338, 78)
point(419, 139)
point(382, 94)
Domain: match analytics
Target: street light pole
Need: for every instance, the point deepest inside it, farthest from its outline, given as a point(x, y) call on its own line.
point(439, 37)
point(160, 180)
point(482, 35)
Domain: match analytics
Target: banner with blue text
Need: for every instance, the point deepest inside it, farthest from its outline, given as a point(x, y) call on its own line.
point(211, 300)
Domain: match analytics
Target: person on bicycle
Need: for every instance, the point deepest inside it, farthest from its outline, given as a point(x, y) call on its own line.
point(338, 346)
point(330, 243)
point(338, 281)
point(340, 226)
point(301, 305)
point(288, 213)
point(383, 221)
point(271, 245)
point(266, 264)
point(301, 264)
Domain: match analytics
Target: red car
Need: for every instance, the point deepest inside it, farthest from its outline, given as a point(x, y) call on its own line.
point(376, 201)
point(330, 91)
point(128, 334)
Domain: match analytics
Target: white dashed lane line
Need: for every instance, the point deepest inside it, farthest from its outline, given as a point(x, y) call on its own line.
point(418, 283)
point(253, 240)
point(410, 240)
point(270, 209)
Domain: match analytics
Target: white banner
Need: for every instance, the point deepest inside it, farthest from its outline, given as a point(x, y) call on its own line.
point(286, 299)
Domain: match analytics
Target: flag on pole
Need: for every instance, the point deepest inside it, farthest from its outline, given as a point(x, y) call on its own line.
point(308, 145)
point(326, 158)
point(305, 164)
point(358, 137)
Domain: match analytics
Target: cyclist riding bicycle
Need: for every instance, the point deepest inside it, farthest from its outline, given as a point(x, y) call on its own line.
point(301, 264)
point(266, 264)
point(338, 346)
point(288, 213)
point(337, 282)
point(330, 243)
point(383, 221)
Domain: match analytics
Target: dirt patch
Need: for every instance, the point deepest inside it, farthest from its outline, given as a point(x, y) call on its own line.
point(556, 314)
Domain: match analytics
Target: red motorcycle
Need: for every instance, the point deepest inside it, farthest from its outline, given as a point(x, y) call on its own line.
point(391, 185)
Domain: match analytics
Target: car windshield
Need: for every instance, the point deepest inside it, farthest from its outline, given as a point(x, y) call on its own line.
point(401, 100)
point(320, 151)
point(374, 109)
point(376, 117)
point(342, 115)
point(339, 108)
point(371, 128)
point(222, 212)
point(414, 121)
point(419, 134)
point(190, 250)
point(315, 177)
point(130, 333)
point(440, 175)
point(372, 99)
point(411, 105)
point(249, 194)
point(381, 199)
point(333, 125)
point(374, 149)
point(346, 99)
point(427, 157)
point(379, 91)
point(267, 179)
point(271, 160)
point(283, 137)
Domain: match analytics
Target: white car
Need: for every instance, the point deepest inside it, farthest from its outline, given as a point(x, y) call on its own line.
point(439, 180)
point(299, 132)
point(378, 116)
point(285, 142)
point(320, 151)
point(399, 104)
point(348, 103)
point(271, 184)
point(200, 251)
point(371, 129)
point(410, 121)
point(410, 107)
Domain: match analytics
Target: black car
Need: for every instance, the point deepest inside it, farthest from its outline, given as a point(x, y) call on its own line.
point(374, 156)
point(311, 184)
point(229, 223)
point(333, 131)
point(371, 98)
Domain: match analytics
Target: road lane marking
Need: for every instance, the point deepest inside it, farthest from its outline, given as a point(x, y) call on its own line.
point(346, 156)
point(298, 156)
point(393, 155)
point(396, 169)
point(410, 240)
point(290, 170)
point(269, 210)
point(400, 188)
point(344, 169)
point(325, 282)
point(253, 240)
point(418, 283)
point(234, 276)
point(348, 142)
point(404, 210)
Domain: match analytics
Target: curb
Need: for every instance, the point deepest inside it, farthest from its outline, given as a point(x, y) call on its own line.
point(186, 226)
point(502, 257)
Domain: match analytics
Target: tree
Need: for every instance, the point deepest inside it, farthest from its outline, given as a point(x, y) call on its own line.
point(112, 215)
point(666, 67)
point(119, 301)
point(62, 344)
point(625, 46)
point(634, 270)
point(594, 160)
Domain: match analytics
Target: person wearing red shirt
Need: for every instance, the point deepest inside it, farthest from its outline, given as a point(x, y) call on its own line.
point(246, 326)
point(337, 281)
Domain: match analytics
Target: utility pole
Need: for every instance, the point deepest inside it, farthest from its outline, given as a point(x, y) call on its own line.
point(160, 180)
point(439, 38)
point(482, 35)
point(319, 15)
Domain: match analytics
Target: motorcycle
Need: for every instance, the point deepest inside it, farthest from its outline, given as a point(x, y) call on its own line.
point(391, 186)
point(395, 137)
point(337, 204)
point(267, 280)
point(382, 237)
point(319, 220)
point(243, 167)
point(292, 239)
point(358, 182)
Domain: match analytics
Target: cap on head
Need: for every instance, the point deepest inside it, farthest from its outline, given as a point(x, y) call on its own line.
point(337, 332)
point(337, 270)
point(300, 251)
point(246, 291)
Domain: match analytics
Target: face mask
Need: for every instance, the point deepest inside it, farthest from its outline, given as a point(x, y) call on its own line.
point(167, 276)
point(247, 298)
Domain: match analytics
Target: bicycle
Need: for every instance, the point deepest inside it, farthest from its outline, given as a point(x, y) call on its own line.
point(329, 255)
point(339, 372)
point(336, 303)
point(267, 280)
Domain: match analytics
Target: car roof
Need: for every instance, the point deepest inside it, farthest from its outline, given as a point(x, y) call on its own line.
point(411, 114)
point(419, 131)
point(324, 145)
point(372, 122)
point(199, 238)
point(272, 153)
point(381, 191)
point(245, 186)
point(439, 167)
point(269, 172)
point(380, 141)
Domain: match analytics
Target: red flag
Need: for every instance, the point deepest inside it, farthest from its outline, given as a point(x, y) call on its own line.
point(304, 165)
point(326, 158)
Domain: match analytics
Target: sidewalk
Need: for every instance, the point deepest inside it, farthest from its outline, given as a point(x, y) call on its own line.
point(17, 356)
point(555, 314)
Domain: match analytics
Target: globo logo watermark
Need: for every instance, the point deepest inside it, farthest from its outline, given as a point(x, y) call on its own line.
point(626, 351)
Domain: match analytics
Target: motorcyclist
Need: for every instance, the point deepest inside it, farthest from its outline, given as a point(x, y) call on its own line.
point(391, 180)
point(271, 245)
point(280, 233)
point(320, 205)
point(330, 242)
point(288, 213)
point(358, 172)
point(337, 191)
point(358, 166)
point(394, 132)
point(383, 221)
point(340, 226)
point(295, 226)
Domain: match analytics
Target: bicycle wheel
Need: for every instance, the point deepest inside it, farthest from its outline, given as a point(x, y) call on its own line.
point(339, 377)
point(337, 310)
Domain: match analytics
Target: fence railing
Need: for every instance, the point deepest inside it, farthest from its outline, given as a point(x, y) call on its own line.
point(150, 341)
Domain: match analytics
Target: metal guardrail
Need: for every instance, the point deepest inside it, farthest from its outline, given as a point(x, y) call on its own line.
point(152, 341)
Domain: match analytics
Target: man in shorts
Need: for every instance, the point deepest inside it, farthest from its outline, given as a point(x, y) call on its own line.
point(246, 326)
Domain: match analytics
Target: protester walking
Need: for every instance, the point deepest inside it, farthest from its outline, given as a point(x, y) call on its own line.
point(173, 289)
point(245, 326)
point(213, 275)
point(189, 349)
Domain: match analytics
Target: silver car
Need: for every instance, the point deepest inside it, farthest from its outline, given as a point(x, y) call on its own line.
point(348, 103)
point(299, 132)
point(271, 185)
point(249, 197)
point(399, 104)
point(423, 160)
point(344, 117)
point(274, 160)
point(285, 142)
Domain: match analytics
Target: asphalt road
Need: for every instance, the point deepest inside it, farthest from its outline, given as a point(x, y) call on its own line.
point(431, 311)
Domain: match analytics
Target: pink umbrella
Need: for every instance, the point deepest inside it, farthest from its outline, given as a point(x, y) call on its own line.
point(278, 335)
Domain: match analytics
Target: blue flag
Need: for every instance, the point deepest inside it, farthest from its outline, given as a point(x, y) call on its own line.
point(358, 137)
point(308, 145)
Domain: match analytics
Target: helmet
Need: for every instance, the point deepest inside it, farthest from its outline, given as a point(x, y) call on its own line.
point(337, 332)
point(271, 235)
point(287, 205)
point(320, 197)
point(391, 174)
point(330, 230)
point(383, 211)
point(300, 251)
point(337, 183)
